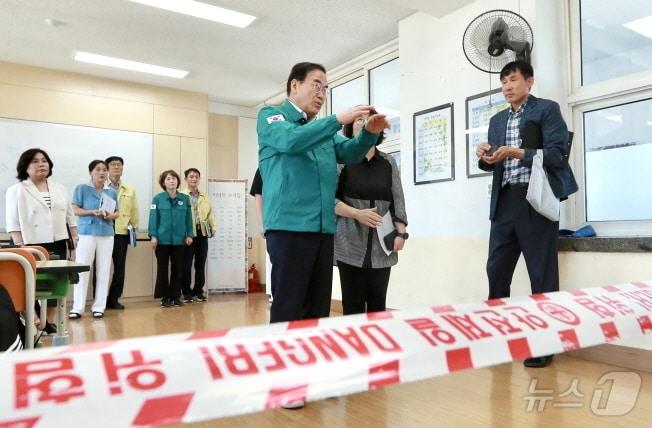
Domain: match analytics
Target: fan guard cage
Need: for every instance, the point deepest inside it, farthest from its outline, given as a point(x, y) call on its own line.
point(476, 39)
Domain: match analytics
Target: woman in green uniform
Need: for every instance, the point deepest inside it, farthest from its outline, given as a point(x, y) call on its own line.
point(170, 228)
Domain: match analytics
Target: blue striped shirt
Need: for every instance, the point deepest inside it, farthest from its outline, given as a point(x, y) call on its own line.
point(514, 171)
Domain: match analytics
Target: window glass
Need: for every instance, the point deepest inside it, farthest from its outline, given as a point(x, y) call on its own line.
point(618, 162)
point(616, 38)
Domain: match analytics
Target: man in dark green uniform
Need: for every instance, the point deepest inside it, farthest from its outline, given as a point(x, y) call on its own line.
point(298, 159)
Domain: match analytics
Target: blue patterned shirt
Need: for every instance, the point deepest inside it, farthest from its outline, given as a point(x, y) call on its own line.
point(514, 171)
point(88, 198)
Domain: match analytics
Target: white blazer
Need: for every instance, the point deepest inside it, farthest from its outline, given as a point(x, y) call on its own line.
point(27, 212)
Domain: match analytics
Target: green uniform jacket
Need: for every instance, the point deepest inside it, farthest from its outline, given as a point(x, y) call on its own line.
point(170, 219)
point(298, 164)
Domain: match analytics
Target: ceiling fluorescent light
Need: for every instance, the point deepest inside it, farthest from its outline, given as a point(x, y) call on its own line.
point(202, 10)
point(641, 26)
point(129, 65)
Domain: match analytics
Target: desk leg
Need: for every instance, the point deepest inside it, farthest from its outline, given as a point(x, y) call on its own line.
point(44, 314)
point(61, 338)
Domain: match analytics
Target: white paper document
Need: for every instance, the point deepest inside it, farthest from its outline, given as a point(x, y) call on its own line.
point(385, 229)
point(107, 204)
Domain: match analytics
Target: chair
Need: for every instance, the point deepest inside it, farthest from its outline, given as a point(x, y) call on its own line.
point(18, 275)
point(41, 254)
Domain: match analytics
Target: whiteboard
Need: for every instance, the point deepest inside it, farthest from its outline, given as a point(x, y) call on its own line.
point(226, 266)
point(71, 149)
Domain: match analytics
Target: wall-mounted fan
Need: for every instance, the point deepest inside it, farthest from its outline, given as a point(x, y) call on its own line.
point(495, 38)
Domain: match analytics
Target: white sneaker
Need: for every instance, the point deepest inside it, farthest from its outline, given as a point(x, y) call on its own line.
point(292, 405)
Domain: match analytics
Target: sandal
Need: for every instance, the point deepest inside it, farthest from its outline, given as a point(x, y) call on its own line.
point(74, 316)
point(98, 314)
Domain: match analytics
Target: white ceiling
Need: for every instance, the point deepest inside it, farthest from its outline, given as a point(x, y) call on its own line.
point(232, 65)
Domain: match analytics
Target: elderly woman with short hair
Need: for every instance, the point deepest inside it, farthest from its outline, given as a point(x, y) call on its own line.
point(170, 228)
point(38, 210)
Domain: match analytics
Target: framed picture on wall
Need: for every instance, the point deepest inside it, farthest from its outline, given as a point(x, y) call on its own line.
point(434, 152)
point(479, 109)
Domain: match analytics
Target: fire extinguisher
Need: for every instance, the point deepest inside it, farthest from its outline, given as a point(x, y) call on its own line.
point(254, 279)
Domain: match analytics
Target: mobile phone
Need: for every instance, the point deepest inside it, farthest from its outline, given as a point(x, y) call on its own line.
point(491, 150)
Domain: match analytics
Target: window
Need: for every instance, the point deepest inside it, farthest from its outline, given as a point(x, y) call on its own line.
point(348, 95)
point(377, 82)
point(616, 38)
point(385, 95)
point(611, 58)
point(618, 156)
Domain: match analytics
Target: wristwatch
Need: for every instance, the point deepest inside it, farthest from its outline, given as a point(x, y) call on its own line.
point(404, 235)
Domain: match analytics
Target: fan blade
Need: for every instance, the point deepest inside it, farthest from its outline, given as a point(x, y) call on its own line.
point(497, 37)
point(515, 45)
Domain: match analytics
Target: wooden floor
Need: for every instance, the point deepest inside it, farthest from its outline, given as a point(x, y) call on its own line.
point(495, 396)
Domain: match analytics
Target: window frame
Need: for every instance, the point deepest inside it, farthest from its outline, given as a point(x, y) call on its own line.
point(346, 74)
point(595, 96)
point(342, 81)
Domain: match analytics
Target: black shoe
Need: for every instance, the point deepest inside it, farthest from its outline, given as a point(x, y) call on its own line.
point(115, 305)
point(177, 302)
point(49, 329)
point(187, 299)
point(538, 362)
point(200, 298)
point(166, 302)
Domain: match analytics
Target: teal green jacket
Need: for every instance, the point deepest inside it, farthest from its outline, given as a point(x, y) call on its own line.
point(298, 164)
point(170, 219)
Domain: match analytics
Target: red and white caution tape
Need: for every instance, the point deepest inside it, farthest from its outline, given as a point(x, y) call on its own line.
point(197, 376)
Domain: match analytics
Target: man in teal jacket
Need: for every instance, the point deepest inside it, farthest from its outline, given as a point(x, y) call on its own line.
point(298, 159)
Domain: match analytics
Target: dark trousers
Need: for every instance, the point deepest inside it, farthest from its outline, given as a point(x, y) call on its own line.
point(517, 228)
point(120, 245)
point(363, 289)
point(302, 274)
point(168, 255)
point(197, 251)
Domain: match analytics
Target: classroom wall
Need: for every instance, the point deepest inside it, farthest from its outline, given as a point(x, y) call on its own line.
point(233, 154)
point(177, 119)
point(444, 259)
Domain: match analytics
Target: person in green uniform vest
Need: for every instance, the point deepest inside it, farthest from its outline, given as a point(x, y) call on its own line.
point(170, 228)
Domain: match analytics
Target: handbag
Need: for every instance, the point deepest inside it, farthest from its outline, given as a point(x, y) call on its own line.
point(539, 192)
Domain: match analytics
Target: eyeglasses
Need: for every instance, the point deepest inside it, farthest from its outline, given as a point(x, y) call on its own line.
point(318, 87)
